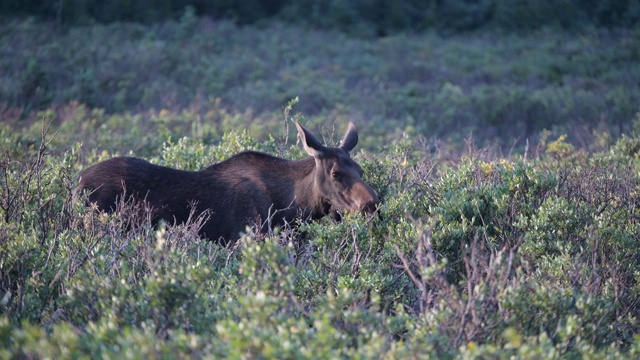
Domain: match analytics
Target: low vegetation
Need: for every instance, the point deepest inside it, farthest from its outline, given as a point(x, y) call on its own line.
point(520, 241)
point(501, 88)
point(472, 256)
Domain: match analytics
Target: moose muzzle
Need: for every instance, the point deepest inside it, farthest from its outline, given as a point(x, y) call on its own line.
point(365, 198)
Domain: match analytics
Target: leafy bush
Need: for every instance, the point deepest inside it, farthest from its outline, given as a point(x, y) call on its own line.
point(500, 88)
point(473, 253)
point(477, 256)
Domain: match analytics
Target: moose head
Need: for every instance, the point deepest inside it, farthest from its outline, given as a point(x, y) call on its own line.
point(337, 178)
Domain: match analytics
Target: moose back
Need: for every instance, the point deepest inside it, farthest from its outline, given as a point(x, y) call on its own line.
point(250, 188)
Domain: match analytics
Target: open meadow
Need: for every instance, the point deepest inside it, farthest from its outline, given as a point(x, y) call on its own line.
point(508, 165)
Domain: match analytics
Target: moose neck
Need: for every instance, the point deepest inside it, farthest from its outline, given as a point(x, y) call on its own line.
point(307, 194)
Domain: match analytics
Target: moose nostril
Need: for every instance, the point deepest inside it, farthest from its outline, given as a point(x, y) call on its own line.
point(370, 206)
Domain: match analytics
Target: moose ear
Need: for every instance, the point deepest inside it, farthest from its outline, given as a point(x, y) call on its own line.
point(350, 138)
point(311, 145)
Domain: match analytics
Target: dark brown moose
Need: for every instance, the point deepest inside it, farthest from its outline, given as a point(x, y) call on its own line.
point(247, 189)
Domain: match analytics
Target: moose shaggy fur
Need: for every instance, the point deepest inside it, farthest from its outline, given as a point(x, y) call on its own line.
point(247, 189)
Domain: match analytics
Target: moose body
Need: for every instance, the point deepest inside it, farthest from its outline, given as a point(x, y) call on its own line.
point(247, 189)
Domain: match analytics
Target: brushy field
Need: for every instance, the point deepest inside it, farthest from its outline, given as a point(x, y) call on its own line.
point(502, 88)
point(476, 254)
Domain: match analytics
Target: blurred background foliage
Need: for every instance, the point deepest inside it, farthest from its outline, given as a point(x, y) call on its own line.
point(372, 17)
point(503, 87)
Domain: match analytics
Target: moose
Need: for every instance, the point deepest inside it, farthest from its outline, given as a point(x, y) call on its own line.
point(247, 189)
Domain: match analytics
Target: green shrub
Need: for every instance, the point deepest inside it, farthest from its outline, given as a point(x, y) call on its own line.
point(143, 82)
point(474, 255)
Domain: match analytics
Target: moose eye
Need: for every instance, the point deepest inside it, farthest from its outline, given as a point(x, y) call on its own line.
point(336, 174)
